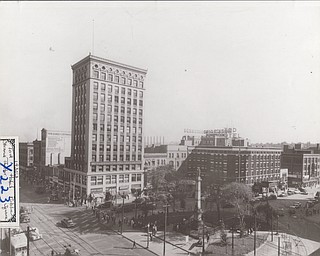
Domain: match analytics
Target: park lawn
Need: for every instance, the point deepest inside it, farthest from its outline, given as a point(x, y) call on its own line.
point(242, 246)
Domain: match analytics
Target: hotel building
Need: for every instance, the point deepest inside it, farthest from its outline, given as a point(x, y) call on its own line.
point(107, 127)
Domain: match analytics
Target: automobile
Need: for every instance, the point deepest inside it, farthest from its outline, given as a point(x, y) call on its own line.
point(68, 223)
point(290, 192)
point(297, 191)
point(24, 209)
point(283, 194)
point(34, 234)
point(24, 217)
point(296, 205)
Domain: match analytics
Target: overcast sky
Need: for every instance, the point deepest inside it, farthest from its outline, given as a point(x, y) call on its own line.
point(254, 66)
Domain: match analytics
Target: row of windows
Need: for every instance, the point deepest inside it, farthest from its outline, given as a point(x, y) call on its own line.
point(117, 79)
point(116, 109)
point(115, 147)
point(116, 99)
point(117, 128)
point(107, 157)
point(114, 168)
point(116, 89)
point(116, 119)
point(183, 155)
point(121, 138)
point(112, 179)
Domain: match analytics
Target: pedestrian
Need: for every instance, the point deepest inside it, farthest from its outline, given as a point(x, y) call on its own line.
point(134, 244)
point(208, 237)
point(52, 252)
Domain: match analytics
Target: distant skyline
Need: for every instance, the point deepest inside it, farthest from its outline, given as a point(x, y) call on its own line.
point(250, 65)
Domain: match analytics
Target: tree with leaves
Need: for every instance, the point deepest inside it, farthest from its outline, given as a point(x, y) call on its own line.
point(240, 195)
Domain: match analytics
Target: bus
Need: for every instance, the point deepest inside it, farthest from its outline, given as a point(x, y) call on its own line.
point(18, 243)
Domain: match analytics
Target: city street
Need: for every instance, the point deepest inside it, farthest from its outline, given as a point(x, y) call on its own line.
point(88, 236)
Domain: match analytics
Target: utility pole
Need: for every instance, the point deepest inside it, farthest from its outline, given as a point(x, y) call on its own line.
point(255, 235)
point(232, 241)
point(28, 241)
point(271, 226)
point(199, 196)
point(202, 236)
point(165, 228)
point(10, 241)
point(279, 252)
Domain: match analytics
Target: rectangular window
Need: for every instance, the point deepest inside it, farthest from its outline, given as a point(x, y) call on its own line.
point(95, 106)
point(130, 81)
point(135, 93)
point(109, 98)
point(128, 119)
point(141, 94)
point(99, 180)
point(133, 177)
point(129, 101)
point(121, 178)
point(94, 137)
point(102, 107)
point(102, 97)
point(108, 148)
point(109, 128)
point(135, 102)
point(122, 119)
point(94, 127)
point(115, 119)
point(115, 138)
point(122, 129)
point(93, 180)
point(101, 137)
point(140, 103)
point(134, 130)
point(135, 83)
point(138, 177)
point(95, 117)
point(103, 87)
point(128, 148)
point(109, 88)
point(114, 179)
point(121, 138)
point(93, 168)
point(95, 96)
point(134, 111)
point(95, 85)
point(140, 112)
point(96, 74)
point(108, 179)
point(126, 178)
point(116, 109)
point(128, 129)
point(108, 118)
point(116, 99)
point(129, 92)
point(128, 139)
point(123, 80)
point(115, 128)
point(123, 90)
point(116, 89)
point(123, 100)
point(140, 121)
point(117, 79)
point(122, 110)
point(110, 77)
point(109, 109)
point(103, 76)
point(141, 84)
point(102, 117)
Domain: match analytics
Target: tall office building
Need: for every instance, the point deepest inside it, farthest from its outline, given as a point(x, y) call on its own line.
point(107, 127)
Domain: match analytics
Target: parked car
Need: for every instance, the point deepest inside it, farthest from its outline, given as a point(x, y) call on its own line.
point(68, 223)
point(35, 234)
point(290, 192)
point(24, 217)
point(296, 205)
point(283, 194)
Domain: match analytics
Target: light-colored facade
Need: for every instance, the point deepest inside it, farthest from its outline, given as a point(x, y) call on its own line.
point(55, 147)
point(162, 155)
point(107, 127)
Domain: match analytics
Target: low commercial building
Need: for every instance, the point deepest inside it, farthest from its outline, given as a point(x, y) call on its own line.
point(162, 155)
point(302, 164)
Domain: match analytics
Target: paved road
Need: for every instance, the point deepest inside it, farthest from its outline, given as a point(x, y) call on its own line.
point(89, 236)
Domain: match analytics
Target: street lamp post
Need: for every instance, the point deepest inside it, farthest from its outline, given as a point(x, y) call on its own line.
point(122, 213)
point(165, 228)
point(148, 235)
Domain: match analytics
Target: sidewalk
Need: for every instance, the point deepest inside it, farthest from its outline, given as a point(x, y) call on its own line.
point(289, 245)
